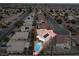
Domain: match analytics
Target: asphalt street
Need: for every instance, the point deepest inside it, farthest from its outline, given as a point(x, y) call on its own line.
point(56, 28)
point(12, 26)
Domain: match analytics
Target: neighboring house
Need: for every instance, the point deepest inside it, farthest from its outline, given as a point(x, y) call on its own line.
point(27, 25)
point(14, 46)
point(17, 42)
point(42, 22)
point(20, 35)
point(62, 42)
point(71, 18)
point(26, 28)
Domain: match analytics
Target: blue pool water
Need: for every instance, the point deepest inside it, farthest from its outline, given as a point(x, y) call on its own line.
point(37, 47)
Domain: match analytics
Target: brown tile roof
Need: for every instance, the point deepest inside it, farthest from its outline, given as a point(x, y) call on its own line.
point(62, 39)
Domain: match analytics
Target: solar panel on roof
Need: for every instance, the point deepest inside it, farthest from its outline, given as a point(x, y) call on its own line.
point(46, 35)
